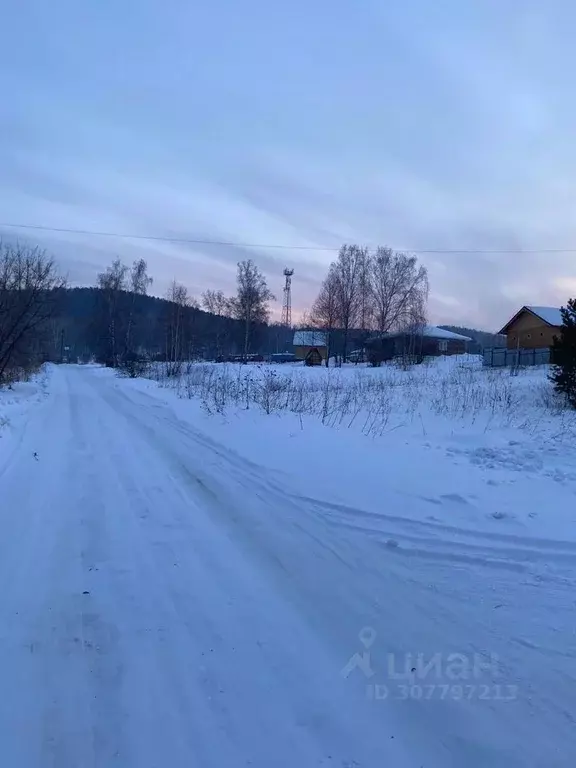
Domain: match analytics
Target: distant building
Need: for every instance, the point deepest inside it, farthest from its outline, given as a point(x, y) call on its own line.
point(533, 328)
point(310, 346)
point(429, 341)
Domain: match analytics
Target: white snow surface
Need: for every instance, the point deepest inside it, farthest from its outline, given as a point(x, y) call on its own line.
point(430, 331)
point(239, 589)
point(551, 315)
point(441, 333)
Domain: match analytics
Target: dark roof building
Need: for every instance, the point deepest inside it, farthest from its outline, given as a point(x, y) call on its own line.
point(427, 341)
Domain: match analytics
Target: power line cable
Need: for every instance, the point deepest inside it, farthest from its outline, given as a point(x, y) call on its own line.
point(166, 239)
point(283, 246)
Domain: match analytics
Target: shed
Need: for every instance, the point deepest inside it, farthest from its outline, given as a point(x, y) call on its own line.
point(313, 357)
point(307, 341)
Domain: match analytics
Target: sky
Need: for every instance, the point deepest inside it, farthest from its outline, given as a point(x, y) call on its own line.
point(422, 126)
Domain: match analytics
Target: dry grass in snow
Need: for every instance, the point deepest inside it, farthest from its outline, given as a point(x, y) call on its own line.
point(377, 400)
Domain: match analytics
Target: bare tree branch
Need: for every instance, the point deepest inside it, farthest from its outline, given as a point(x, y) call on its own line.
point(399, 290)
point(139, 282)
point(29, 289)
point(250, 305)
point(347, 270)
point(325, 310)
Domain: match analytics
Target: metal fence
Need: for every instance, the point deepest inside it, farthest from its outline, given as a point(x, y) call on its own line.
point(500, 357)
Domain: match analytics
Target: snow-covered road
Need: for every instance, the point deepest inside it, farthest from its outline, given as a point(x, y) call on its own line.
point(166, 602)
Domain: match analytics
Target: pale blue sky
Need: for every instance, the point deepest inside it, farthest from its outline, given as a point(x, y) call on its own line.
point(416, 124)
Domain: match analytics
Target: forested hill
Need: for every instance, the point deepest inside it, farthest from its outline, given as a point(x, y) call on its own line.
point(482, 339)
point(86, 320)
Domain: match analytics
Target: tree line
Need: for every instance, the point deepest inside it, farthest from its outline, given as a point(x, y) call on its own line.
point(373, 292)
point(229, 323)
point(117, 323)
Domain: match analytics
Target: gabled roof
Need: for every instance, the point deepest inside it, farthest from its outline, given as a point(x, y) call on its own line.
point(309, 339)
point(433, 332)
point(550, 315)
point(428, 331)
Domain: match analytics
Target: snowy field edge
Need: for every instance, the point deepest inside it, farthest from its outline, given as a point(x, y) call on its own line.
point(17, 404)
point(502, 459)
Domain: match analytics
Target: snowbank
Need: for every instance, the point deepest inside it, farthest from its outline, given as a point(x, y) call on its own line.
point(17, 403)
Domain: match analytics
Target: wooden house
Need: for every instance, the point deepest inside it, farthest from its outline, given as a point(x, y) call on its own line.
point(533, 328)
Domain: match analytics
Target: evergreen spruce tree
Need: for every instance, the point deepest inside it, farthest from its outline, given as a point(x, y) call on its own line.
point(564, 355)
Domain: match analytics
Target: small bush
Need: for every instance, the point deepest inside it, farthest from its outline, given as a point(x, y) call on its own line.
point(133, 365)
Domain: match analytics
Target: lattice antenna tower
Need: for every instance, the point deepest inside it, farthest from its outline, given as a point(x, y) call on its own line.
point(287, 303)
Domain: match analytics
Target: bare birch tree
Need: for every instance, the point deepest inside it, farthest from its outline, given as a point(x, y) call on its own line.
point(325, 310)
point(215, 302)
point(179, 302)
point(112, 284)
point(139, 282)
point(250, 305)
point(347, 271)
point(365, 297)
point(218, 305)
point(399, 290)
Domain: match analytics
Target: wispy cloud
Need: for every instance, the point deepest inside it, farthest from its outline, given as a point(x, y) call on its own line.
point(419, 126)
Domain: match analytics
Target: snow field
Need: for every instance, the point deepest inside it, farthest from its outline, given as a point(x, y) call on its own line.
point(243, 576)
point(484, 450)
